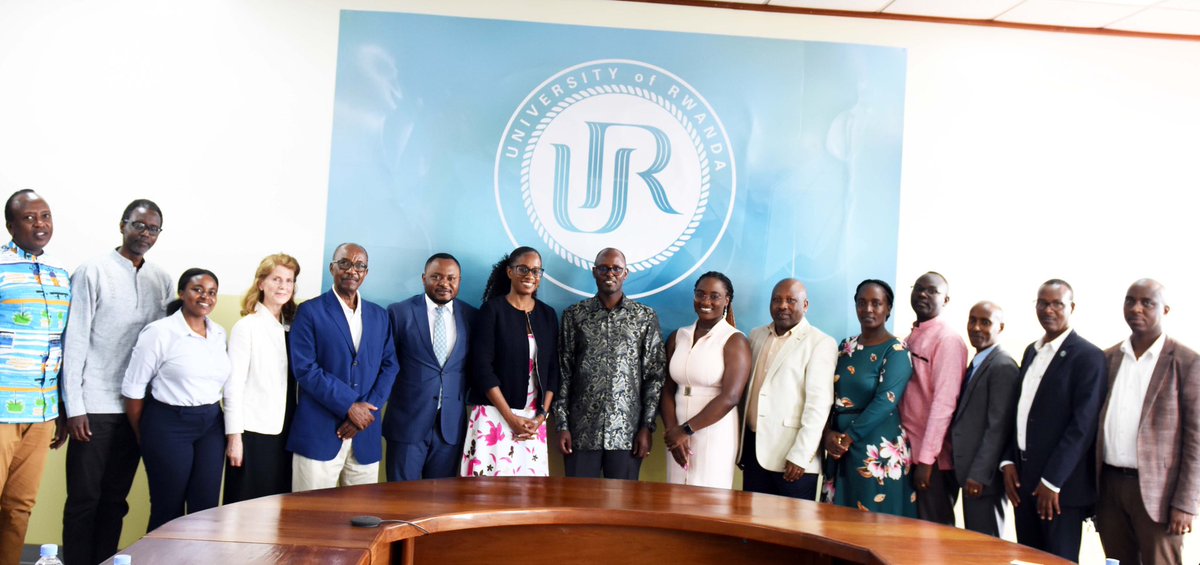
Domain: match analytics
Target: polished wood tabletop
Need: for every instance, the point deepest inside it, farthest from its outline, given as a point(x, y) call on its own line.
point(546, 520)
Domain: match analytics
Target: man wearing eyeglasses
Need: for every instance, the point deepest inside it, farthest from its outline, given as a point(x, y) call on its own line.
point(613, 363)
point(425, 423)
point(939, 359)
point(1049, 470)
point(35, 298)
point(345, 364)
point(115, 296)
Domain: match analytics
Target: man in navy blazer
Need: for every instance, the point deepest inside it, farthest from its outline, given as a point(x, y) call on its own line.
point(425, 422)
point(344, 362)
point(1049, 472)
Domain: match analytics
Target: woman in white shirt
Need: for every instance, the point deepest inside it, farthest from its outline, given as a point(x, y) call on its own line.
point(181, 359)
point(260, 396)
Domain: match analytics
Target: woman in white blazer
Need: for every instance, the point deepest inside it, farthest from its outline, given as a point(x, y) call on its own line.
point(261, 394)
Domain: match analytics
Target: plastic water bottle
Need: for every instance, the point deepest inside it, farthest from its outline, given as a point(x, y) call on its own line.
point(122, 559)
point(49, 555)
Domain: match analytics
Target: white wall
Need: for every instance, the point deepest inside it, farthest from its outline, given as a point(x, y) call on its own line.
point(1027, 155)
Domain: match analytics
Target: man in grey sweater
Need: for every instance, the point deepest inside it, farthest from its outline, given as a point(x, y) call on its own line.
point(116, 295)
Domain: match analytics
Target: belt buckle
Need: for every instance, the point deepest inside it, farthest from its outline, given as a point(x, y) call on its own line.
point(687, 391)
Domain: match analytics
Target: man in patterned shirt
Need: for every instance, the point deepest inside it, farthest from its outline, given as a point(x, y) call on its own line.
point(613, 363)
point(34, 297)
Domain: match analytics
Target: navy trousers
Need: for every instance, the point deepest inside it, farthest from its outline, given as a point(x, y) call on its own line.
point(1060, 536)
point(432, 458)
point(184, 451)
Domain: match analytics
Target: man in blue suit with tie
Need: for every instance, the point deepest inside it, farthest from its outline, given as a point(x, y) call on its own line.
point(345, 364)
point(425, 421)
point(1049, 472)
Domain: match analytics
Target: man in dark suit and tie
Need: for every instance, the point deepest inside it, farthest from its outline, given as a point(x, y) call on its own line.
point(982, 425)
point(425, 421)
point(1049, 474)
point(1148, 446)
point(344, 362)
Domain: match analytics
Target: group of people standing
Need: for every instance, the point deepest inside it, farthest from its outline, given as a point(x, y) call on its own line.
point(127, 366)
point(1071, 433)
point(290, 401)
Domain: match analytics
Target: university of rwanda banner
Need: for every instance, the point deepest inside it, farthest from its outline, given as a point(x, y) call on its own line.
point(758, 158)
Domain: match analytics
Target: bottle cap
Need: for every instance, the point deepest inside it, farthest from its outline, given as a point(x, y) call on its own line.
point(1111, 561)
point(122, 559)
point(49, 550)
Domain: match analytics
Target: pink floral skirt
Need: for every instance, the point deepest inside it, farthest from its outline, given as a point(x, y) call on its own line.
point(491, 451)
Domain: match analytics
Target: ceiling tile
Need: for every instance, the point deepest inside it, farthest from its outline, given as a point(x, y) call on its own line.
point(1126, 2)
point(1069, 13)
point(973, 10)
point(848, 5)
point(1162, 20)
point(1181, 4)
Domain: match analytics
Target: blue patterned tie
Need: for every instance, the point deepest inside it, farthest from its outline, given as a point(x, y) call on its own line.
point(440, 346)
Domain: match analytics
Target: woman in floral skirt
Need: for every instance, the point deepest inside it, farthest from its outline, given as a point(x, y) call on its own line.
point(869, 459)
point(514, 372)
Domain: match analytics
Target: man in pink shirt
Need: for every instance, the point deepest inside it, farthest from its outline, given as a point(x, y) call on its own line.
point(939, 359)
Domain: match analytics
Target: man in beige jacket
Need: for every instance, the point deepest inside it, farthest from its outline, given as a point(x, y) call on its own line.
point(788, 399)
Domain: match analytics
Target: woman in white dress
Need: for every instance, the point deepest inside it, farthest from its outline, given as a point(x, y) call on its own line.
point(709, 364)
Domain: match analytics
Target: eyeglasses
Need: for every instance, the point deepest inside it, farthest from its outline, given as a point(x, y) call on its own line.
point(1056, 306)
point(524, 271)
point(701, 295)
point(141, 227)
point(604, 270)
point(926, 290)
point(346, 265)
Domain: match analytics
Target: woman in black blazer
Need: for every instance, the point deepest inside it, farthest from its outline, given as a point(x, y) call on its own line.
point(513, 372)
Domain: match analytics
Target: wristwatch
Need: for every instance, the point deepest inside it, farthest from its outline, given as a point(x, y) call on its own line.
point(687, 428)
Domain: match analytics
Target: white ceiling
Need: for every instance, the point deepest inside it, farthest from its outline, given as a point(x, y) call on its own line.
point(1180, 17)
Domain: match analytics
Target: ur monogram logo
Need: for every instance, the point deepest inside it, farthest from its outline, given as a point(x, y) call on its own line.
point(616, 153)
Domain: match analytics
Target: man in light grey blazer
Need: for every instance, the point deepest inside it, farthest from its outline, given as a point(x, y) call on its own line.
point(789, 397)
point(983, 422)
point(1148, 444)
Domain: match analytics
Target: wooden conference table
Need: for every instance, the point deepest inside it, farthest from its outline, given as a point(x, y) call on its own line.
point(557, 521)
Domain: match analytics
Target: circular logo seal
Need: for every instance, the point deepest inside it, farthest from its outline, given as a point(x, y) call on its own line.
point(616, 153)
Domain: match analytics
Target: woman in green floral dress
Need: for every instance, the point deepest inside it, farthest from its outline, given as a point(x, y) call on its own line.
point(869, 459)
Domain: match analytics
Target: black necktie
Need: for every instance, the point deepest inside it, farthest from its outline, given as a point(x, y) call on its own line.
point(966, 380)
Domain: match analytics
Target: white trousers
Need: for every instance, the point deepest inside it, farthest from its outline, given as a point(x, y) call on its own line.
point(341, 471)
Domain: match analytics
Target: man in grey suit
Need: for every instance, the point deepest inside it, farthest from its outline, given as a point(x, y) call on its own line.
point(982, 424)
point(1148, 445)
